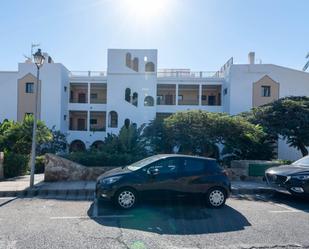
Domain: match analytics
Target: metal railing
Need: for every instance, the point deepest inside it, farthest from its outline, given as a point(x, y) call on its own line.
point(164, 73)
point(87, 74)
point(172, 73)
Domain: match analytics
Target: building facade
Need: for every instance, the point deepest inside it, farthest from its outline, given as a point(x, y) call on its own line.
point(86, 106)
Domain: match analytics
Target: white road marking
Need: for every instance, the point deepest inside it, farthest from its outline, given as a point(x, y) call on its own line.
point(286, 207)
point(87, 217)
point(7, 198)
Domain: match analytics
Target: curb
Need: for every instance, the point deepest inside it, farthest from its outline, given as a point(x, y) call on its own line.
point(28, 193)
point(251, 191)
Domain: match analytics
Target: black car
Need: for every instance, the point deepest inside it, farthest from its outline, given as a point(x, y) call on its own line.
point(163, 176)
point(292, 178)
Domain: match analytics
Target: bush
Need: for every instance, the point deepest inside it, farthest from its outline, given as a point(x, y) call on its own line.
point(39, 164)
point(15, 164)
point(101, 158)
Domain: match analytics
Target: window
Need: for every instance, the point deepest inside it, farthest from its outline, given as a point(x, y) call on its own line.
point(265, 91)
point(166, 166)
point(128, 60)
point(64, 117)
point(149, 101)
point(211, 100)
point(113, 119)
point(93, 121)
point(135, 99)
point(81, 124)
point(65, 88)
point(204, 97)
point(180, 97)
point(81, 98)
point(225, 91)
point(94, 96)
point(160, 99)
point(127, 96)
point(29, 87)
point(135, 64)
point(193, 165)
point(149, 67)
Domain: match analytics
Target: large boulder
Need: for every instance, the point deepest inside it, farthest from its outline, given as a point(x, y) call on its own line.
point(61, 169)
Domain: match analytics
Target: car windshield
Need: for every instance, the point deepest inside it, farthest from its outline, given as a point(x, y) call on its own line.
point(139, 164)
point(302, 162)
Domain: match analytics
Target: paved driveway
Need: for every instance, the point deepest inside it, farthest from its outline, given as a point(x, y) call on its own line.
point(245, 222)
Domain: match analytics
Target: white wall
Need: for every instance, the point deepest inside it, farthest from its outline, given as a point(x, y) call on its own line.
point(8, 96)
point(121, 77)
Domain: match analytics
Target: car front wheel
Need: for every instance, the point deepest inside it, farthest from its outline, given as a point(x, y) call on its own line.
point(125, 198)
point(216, 197)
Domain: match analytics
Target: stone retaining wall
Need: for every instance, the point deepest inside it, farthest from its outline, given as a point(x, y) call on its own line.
point(61, 169)
point(240, 169)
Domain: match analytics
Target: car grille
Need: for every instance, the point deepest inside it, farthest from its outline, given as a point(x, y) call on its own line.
point(277, 179)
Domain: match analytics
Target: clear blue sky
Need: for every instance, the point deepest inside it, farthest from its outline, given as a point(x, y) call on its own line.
point(196, 34)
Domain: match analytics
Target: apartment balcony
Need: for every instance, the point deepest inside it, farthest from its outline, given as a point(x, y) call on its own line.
point(78, 120)
point(98, 93)
point(97, 121)
point(166, 94)
point(79, 93)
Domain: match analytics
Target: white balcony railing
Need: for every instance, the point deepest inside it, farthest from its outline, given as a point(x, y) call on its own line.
point(162, 73)
point(87, 74)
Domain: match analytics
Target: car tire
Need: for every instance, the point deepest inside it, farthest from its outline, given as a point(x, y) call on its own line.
point(216, 197)
point(125, 198)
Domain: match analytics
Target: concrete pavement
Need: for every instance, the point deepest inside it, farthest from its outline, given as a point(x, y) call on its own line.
point(247, 223)
point(19, 186)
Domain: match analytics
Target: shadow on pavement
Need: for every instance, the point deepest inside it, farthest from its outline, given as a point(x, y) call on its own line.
point(299, 203)
point(180, 217)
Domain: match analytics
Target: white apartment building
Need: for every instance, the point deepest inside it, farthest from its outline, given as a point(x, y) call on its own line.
point(88, 105)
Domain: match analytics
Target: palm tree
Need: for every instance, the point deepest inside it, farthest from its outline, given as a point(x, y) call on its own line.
point(307, 64)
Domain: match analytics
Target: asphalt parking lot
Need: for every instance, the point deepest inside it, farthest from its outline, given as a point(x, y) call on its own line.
point(245, 222)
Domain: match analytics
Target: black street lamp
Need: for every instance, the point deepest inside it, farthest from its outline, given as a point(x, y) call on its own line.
point(38, 60)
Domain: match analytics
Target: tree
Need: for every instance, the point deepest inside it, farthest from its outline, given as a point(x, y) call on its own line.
point(16, 137)
point(155, 137)
point(201, 133)
point(287, 117)
point(58, 143)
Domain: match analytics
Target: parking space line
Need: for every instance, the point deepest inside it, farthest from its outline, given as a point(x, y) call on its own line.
point(87, 217)
point(287, 208)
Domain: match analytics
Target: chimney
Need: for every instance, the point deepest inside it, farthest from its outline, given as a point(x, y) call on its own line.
point(251, 57)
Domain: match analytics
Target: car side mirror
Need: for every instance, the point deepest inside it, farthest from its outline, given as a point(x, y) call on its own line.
point(153, 171)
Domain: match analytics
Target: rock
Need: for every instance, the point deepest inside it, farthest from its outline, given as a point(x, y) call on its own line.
point(61, 169)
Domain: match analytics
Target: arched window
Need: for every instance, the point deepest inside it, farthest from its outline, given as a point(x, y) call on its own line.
point(135, 64)
point(128, 60)
point(97, 144)
point(149, 67)
point(127, 123)
point(135, 99)
point(127, 96)
point(77, 145)
point(149, 101)
point(113, 119)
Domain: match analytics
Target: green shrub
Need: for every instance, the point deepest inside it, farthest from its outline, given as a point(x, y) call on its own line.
point(100, 158)
point(39, 164)
point(15, 164)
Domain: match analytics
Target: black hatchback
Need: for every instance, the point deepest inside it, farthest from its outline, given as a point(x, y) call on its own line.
point(162, 176)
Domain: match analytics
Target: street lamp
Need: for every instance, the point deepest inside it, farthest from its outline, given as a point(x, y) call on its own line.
point(38, 60)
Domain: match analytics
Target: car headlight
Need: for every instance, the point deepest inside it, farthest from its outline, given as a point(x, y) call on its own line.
point(301, 177)
point(110, 180)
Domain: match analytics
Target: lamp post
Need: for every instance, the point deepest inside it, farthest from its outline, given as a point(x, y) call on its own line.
point(38, 60)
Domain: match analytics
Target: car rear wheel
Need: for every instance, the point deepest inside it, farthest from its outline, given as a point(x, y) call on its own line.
point(125, 198)
point(216, 197)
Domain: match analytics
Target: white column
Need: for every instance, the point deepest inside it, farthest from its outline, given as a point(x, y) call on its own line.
point(176, 94)
point(200, 95)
